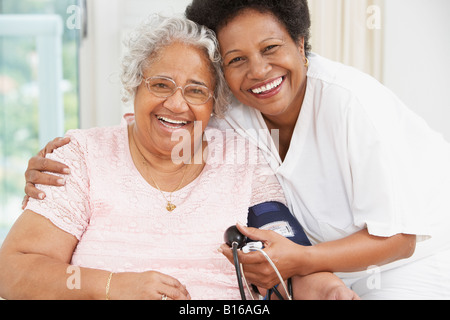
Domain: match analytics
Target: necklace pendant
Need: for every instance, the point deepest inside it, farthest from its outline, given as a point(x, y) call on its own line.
point(170, 206)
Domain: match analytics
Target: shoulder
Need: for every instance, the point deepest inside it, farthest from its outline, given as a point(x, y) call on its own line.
point(96, 134)
point(339, 92)
point(229, 147)
point(99, 136)
point(91, 141)
point(342, 83)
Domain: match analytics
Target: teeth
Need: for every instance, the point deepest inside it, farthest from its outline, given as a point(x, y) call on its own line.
point(268, 86)
point(172, 121)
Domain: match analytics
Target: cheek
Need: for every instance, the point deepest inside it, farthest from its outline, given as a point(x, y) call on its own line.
point(203, 113)
point(144, 107)
point(140, 101)
point(234, 80)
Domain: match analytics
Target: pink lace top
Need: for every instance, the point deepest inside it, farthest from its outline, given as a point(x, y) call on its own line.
point(121, 221)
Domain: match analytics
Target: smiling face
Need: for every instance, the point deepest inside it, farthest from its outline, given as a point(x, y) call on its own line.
point(263, 66)
point(157, 119)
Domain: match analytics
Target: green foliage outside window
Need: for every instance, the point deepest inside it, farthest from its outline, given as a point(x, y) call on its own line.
point(19, 99)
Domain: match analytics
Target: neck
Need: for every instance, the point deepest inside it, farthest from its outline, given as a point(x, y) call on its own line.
point(160, 170)
point(286, 122)
point(156, 161)
point(285, 132)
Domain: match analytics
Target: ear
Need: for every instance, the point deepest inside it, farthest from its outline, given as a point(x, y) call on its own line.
point(301, 50)
point(301, 45)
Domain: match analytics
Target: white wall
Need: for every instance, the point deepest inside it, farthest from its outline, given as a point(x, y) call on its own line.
point(417, 57)
point(132, 11)
point(108, 22)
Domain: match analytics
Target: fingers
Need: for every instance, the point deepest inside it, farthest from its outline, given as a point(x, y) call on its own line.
point(25, 202)
point(173, 289)
point(252, 233)
point(256, 269)
point(265, 236)
point(39, 163)
point(150, 285)
point(168, 292)
point(52, 145)
point(344, 293)
point(244, 258)
point(159, 286)
point(32, 192)
point(35, 175)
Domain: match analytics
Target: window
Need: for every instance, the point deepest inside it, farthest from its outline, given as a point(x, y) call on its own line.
point(38, 89)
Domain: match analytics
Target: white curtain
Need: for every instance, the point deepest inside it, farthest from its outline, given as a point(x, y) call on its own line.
point(349, 31)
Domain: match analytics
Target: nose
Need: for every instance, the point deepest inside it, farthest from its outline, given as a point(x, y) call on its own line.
point(176, 102)
point(258, 68)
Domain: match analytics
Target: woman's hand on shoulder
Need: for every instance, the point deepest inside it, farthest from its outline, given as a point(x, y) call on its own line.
point(38, 165)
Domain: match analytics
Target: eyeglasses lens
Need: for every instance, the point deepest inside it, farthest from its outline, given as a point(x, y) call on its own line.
point(164, 88)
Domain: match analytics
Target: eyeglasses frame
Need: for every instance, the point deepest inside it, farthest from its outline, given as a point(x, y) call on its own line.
point(147, 80)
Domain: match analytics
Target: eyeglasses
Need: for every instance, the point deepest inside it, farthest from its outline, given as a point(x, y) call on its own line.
point(164, 88)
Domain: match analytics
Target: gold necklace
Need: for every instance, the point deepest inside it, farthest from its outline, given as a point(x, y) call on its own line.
point(170, 206)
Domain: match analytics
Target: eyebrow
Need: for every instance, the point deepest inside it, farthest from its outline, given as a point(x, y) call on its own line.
point(262, 41)
point(230, 52)
point(198, 82)
point(190, 81)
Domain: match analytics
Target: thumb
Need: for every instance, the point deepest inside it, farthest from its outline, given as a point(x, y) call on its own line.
point(253, 233)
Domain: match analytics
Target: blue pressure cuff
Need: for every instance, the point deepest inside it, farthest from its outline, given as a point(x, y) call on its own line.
point(277, 217)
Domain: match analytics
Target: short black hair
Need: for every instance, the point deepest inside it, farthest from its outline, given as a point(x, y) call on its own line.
point(293, 14)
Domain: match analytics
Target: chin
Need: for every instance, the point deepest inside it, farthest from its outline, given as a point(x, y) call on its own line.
point(272, 110)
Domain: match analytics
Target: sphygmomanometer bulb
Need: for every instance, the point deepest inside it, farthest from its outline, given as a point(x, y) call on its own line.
point(234, 235)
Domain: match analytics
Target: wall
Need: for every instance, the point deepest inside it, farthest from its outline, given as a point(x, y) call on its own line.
point(108, 22)
point(417, 57)
point(415, 66)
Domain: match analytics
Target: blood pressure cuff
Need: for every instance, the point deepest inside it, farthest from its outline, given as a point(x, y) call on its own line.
point(277, 217)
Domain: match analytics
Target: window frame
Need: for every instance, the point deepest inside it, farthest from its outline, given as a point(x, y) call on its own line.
point(48, 31)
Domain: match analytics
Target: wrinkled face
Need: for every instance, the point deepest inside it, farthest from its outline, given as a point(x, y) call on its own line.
point(158, 119)
point(263, 66)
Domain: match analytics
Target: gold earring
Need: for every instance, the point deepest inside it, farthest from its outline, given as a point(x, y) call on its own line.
point(307, 62)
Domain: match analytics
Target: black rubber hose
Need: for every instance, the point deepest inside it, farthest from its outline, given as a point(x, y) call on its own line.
point(238, 270)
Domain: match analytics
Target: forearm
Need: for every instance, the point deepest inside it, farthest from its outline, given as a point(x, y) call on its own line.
point(37, 277)
point(321, 286)
point(357, 252)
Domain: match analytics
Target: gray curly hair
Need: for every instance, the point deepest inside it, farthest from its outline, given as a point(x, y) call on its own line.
point(158, 32)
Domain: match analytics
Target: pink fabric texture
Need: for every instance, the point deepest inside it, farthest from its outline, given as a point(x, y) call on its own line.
point(121, 221)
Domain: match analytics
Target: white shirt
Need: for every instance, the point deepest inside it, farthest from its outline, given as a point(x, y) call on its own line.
point(359, 158)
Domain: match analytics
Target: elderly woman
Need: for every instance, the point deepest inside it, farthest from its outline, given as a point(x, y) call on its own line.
point(137, 223)
point(142, 214)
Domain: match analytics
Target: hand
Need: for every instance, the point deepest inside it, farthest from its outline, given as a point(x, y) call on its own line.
point(281, 251)
point(37, 165)
point(149, 285)
point(341, 293)
point(321, 286)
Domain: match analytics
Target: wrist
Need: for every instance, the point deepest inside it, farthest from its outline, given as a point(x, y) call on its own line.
point(94, 282)
point(308, 261)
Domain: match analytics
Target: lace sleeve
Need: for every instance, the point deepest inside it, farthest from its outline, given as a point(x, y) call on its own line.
point(265, 186)
point(67, 207)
